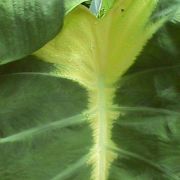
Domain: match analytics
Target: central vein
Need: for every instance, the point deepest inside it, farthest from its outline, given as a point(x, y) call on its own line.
point(101, 103)
point(101, 133)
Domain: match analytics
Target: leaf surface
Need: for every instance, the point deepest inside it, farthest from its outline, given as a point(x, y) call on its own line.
point(41, 124)
point(27, 25)
point(107, 4)
point(121, 126)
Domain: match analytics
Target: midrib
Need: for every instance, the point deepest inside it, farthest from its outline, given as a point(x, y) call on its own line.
point(101, 139)
point(101, 123)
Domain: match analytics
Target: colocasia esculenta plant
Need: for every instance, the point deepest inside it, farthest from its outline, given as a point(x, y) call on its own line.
point(90, 90)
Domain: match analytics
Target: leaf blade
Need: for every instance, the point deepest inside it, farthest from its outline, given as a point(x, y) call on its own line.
point(27, 26)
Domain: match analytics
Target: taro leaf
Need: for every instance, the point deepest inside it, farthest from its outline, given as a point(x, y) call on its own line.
point(148, 130)
point(43, 130)
point(25, 26)
point(96, 53)
point(144, 140)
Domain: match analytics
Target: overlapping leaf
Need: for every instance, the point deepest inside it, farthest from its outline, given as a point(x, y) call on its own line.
point(25, 26)
point(45, 133)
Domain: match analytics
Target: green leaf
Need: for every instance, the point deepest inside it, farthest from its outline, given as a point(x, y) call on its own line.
point(169, 8)
point(176, 17)
point(148, 130)
point(27, 25)
point(41, 124)
point(121, 123)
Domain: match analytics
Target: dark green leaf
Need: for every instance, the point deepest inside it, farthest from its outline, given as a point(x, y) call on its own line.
point(25, 26)
point(148, 131)
point(43, 132)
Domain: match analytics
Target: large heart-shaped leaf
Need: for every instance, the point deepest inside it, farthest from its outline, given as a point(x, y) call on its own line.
point(25, 26)
point(49, 130)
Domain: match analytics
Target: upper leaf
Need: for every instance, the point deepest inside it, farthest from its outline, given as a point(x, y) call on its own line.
point(27, 25)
